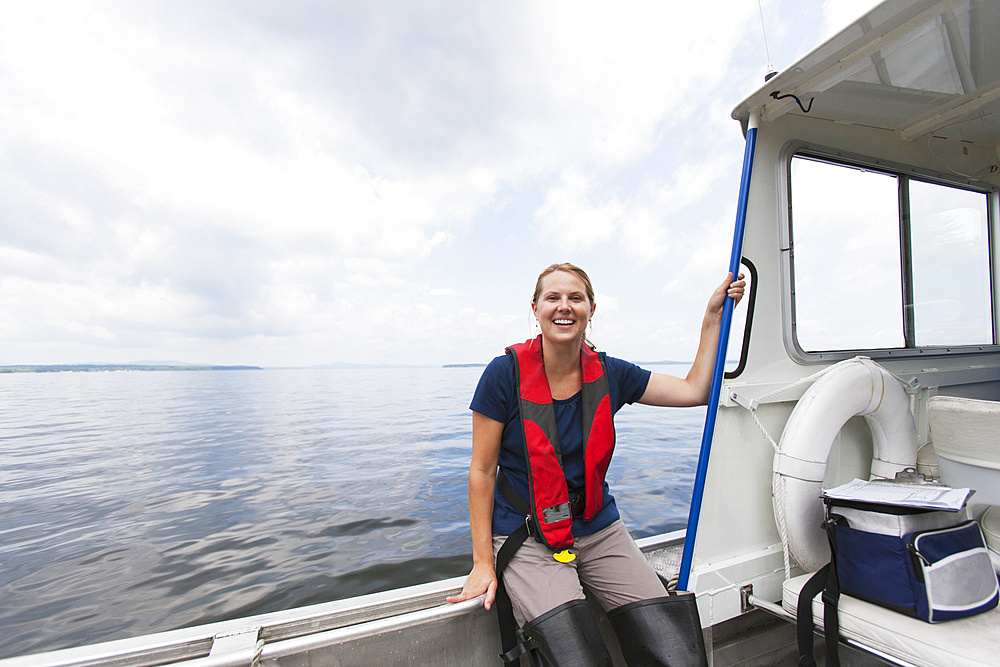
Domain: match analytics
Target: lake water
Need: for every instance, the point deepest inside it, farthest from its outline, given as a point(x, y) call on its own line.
point(136, 502)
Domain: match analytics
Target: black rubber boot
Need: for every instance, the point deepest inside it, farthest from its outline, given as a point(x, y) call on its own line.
point(566, 636)
point(660, 631)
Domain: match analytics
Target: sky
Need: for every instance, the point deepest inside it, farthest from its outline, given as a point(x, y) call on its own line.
point(303, 183)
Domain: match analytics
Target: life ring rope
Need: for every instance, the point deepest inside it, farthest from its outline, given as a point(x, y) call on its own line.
point(808, 380)
point(777, 488)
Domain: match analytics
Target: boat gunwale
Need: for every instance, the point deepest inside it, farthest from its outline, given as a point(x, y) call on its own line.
point(195, 643)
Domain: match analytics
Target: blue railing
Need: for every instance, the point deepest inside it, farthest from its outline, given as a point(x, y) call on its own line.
point(720, 362)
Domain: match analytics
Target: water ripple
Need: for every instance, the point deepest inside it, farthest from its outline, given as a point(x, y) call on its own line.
point(141, 502)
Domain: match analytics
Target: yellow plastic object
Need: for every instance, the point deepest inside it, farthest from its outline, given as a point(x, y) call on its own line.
point(564, 556)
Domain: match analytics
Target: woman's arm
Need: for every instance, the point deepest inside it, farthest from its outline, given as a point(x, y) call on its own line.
point(486, 435)
point(670, 391)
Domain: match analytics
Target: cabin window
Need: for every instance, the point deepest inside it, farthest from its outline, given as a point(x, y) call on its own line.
point(951, 291)
point(884, 261)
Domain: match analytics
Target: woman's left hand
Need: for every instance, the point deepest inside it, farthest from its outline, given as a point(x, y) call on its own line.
point(727, 288)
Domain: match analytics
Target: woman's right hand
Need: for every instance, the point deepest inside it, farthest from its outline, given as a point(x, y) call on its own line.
point(482, 579)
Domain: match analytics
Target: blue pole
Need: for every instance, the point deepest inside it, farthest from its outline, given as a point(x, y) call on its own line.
point(720, 362)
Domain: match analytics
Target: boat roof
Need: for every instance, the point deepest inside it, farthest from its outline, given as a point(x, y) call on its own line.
point(920, 68)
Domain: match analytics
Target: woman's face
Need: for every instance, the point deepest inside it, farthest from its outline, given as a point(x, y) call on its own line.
point(563, 308)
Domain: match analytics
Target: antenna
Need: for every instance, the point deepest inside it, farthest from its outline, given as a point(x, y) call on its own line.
point(771, 72)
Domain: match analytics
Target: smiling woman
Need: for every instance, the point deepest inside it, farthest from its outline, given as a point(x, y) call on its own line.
point(542, 440)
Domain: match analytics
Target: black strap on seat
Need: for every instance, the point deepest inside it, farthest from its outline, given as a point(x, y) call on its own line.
point(824, 580)
point(804, 615)
point(831, 598)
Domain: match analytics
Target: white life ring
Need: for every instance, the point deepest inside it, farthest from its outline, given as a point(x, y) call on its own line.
point(854, 387)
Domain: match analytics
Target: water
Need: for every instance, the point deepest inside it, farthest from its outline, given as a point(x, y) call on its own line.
point(137, 502)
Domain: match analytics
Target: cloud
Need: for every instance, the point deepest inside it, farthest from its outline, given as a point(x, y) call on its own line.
point(570, 217)
point(837, 14)
point(287, 182)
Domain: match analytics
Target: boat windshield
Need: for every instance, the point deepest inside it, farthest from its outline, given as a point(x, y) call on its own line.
point(883, 260)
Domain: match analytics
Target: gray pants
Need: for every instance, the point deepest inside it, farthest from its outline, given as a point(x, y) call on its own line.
point(608, 565)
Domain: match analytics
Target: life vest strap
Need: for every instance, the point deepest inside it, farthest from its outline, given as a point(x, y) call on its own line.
point(512, 648)
point(508, 491)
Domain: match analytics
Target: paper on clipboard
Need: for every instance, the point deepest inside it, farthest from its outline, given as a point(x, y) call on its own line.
point(904, 495)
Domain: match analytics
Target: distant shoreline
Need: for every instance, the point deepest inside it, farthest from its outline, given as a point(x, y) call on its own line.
point(98, 368)
point(95, 368)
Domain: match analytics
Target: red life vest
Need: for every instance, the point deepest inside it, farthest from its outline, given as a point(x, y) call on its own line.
point(551, 511)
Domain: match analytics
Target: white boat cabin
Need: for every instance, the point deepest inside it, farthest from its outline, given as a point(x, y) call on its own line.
point(871, 232)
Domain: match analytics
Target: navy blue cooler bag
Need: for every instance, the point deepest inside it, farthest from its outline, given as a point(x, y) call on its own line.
point(929, 564)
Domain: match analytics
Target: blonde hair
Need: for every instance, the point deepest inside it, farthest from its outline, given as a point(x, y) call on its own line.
point(568, 268)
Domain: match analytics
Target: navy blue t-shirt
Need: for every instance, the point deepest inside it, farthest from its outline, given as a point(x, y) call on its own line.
point(496, 398)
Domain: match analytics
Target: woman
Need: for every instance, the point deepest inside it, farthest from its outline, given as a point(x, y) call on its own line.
point(542, 414)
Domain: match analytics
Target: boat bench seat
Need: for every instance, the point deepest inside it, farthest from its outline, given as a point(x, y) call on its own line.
point(964, 432)
point(965, 642)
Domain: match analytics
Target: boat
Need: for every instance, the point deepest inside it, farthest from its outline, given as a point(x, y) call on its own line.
point(867, 225)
